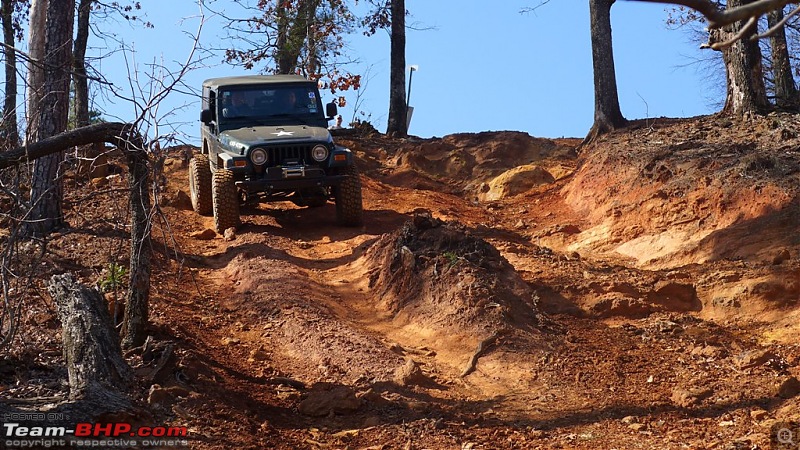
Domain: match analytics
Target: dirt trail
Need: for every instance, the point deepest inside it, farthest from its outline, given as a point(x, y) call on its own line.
point(342, 311)
point(619, 301)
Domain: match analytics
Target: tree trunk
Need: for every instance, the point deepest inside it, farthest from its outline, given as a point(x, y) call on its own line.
point(607, 114)
point(282, 62)
point(46, 196)
point(397, 76)
point(10, 133)
point(81, 100)
point(786, 96)
point(292, 34)
point(36, 38)
point(746, 93)
point(87, 154)
point(91, 345)
point(134, 326)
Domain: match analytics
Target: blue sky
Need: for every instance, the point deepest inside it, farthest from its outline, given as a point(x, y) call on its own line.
point(482, 66)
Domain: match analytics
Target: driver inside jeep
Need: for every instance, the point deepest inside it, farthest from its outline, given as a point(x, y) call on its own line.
point(237, 105)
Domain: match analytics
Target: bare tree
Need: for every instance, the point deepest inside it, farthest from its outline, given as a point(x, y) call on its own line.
point(746, 92)
point(398, 108)
point(303, 36)
point(607, 114)
point(35, 77)
point(10, 12)
point(79, 78)
point(718, 17)
point(786, 95)
point(46, 196)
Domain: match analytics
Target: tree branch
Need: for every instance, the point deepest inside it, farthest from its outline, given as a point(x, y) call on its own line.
point(778, 25)
point(718, 18)
point(110, 132)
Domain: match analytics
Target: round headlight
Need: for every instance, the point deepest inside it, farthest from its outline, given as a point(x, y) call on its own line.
point(258, 156)
point(319, 153)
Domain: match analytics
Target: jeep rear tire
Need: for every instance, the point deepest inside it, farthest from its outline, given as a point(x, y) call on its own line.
point(226, 201)
point(200, 185)
point(349, 211)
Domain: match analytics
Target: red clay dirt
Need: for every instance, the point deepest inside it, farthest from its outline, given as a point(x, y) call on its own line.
point(643, 295)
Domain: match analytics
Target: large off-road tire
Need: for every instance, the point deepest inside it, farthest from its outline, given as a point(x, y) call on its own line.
point(349, 211)
point(226, 201)
point(200, 185)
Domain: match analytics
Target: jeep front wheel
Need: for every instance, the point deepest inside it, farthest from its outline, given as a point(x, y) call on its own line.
point(226, 201)
point(349, 210)
point(200, 185)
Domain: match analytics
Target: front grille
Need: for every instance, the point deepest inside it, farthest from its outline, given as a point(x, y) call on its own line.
point(285, 154)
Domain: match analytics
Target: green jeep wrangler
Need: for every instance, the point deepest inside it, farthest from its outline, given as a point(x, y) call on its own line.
point(265, 138)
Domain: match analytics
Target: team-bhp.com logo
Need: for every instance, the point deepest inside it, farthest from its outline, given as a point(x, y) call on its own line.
point(105, 435)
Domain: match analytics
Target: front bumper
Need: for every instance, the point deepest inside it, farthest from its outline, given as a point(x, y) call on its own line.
point(290, 178)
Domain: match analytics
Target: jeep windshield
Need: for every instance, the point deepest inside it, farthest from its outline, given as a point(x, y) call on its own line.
point(271, 104)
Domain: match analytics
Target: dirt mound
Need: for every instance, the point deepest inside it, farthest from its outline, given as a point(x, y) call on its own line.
point(467, 162)
point(438, 276)
point(681, 192)
point(300, 314)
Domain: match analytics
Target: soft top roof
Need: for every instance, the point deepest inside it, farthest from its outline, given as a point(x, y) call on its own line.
point(245, 80)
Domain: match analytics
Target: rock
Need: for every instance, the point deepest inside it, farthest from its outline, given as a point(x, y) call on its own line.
point(789, 388)
point(637, 426)
point(560, 171)
point(686, 398)
point(667, 326)
point(397, 348)
point(675, 296)
point(372, 421)
point(410, 374)
point(516, 181)
point(754, 358)
point(258, 355)
point(781, 257)
point(627, 420)
point(99, 181)
point(520, 225)
point(708, 351)
point(758, 415)
point(205, 235)
point(158, 396)
point(336, 400)
point(229, 234)
point(176, 199)
point(618, 304)
point(373, 398)
point(229, 341)
point(726, 302)
point(421, 407)
point(423, 219)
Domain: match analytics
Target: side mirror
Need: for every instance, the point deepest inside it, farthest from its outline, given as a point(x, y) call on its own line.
point(206, 116)
point(331, 110)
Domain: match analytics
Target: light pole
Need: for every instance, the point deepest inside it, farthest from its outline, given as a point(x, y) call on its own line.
point(411, 70)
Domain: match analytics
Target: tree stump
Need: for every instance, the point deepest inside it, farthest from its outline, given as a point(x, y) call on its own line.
point(97, 371)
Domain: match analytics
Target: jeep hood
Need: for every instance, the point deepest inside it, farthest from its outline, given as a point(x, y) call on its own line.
point(255, 135)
